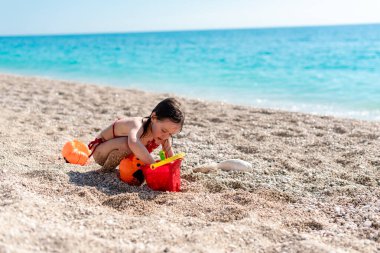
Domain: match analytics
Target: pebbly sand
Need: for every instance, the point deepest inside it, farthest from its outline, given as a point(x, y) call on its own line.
point(315, 184)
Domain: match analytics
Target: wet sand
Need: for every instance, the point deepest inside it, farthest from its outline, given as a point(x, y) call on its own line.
point(314, 187)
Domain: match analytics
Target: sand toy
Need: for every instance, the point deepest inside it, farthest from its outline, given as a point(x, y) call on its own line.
point(75, 152)
point(130, 170)
point(163, 175)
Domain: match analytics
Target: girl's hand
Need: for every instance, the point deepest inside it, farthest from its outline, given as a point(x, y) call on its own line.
point(167, 147)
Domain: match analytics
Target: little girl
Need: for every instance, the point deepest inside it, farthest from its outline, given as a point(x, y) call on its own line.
point(139, 136)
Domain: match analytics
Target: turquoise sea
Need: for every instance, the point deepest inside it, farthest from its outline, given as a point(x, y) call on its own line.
point(332, 70)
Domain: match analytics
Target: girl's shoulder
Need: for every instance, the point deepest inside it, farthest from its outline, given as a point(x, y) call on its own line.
point(125, 125)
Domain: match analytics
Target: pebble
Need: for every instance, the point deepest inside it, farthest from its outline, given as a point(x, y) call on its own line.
point(110, 222)
point(206, 168)
point(367, 224)
point(365, 208)
point(327, 233)
point(233, 246)
point(6, 202)
point(351, 225)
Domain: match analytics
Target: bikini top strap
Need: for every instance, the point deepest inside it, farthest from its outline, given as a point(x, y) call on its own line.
point(113, 128)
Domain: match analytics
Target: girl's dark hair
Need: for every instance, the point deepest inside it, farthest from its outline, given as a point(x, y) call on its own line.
point(169, 108)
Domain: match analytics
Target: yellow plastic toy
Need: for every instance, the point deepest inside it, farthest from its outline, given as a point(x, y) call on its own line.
point(153, 166)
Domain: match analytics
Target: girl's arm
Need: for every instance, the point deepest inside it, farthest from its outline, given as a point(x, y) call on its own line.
point(136, 146)
point(167, 147)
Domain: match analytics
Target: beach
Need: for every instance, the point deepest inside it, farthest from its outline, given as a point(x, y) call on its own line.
point(314, 186)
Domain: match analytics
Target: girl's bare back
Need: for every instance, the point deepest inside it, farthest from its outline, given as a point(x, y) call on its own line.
point(115, 142)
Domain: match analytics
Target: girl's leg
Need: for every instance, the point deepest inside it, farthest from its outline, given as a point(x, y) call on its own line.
point(110, 153)
point(113, 160)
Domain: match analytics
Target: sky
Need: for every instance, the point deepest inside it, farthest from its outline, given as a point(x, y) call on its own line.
point(27, 17)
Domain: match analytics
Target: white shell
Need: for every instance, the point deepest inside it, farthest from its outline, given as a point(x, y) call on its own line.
point(206, 168)
point(234, 164)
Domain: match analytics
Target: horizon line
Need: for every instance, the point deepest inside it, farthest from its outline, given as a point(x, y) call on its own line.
point(187, 30)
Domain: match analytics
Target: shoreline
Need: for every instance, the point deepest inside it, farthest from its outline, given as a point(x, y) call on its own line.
point(198, 30)
point(314, 186)
point(337, 115)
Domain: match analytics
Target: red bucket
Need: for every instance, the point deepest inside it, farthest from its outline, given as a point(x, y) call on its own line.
point(164, 178)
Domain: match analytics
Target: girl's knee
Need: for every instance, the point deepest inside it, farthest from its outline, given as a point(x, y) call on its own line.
point(124, 148)
point(113, 160)
point(115, 148)
point(98, 158)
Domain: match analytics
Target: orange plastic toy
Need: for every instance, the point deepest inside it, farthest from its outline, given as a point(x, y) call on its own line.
point(75, 152)
point(130, 171)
